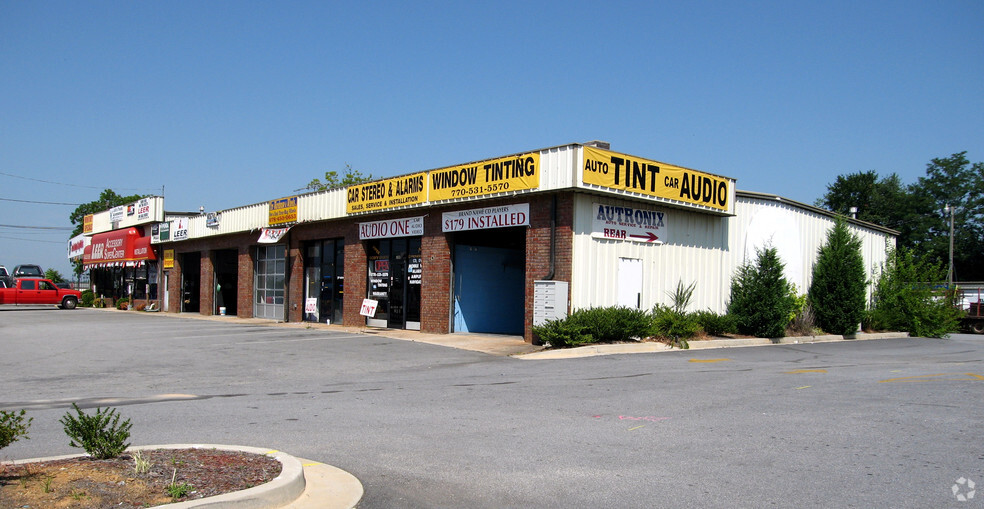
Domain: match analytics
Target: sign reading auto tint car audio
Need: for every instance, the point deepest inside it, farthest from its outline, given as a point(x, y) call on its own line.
point(283, 211)
point(387, 194)
point(634, 174)
point(513, 173)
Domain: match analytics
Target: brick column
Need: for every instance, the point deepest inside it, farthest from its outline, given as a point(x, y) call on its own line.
point(435, 288)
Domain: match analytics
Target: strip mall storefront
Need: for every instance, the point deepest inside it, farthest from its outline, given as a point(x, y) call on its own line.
point(493, 246)
point(122, 264)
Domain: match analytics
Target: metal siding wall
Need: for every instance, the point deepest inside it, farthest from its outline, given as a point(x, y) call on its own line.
point(810, 228)
point(694, 252)
point(705, 249)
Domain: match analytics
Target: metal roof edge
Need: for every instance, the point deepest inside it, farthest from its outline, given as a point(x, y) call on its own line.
point(824, 212)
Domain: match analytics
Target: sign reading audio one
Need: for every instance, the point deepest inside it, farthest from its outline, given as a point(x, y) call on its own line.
point(634, 174)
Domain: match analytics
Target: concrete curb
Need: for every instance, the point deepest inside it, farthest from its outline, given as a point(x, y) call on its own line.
point(300, 484)
point(628, 348)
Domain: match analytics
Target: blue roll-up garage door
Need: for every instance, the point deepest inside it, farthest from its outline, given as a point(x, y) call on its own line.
point(489, 294)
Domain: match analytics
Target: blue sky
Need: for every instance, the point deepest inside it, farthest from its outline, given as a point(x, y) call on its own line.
point(231, 103)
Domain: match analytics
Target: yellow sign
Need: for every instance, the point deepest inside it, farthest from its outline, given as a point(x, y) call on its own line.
point(168, 258)
point(630, 173)
point(87, 223)
point(387, 194)
point(501, 175)
point(283, 211)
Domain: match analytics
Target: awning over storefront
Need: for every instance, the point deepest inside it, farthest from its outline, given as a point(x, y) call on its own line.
point(118, 248)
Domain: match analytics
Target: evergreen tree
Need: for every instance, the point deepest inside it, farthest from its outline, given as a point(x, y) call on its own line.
point(910, 295)
point(837, 293)
point(761, 298)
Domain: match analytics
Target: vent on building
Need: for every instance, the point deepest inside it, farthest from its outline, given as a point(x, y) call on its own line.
point(604, 145)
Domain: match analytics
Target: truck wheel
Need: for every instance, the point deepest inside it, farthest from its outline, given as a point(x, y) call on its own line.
point(977, 327)
point(69, 303)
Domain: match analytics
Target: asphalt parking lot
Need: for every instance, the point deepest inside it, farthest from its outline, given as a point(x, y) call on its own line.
point(879, 423)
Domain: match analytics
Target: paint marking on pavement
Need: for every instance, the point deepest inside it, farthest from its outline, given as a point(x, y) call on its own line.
point(947, 377)
point(709, 360)
point(798, 371)
point(804, 387)
point(637, 427)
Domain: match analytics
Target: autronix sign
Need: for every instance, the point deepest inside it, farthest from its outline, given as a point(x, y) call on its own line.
point(652, 178)
point(628, 223)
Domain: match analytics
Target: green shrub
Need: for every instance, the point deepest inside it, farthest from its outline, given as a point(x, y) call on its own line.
point(910, 296)
point(596, 325)
point(677, 326)
point(123, 303)
point(87, 298)
point(761, 299)
point(101, 435)
point(837, 293)
point(562, 334)
point(715, 324)
point(613, 324)
point(13, 426)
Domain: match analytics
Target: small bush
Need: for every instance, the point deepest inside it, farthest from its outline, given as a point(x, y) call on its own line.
point(803, 324)
point(596, 325)
point(715, 324)
point(101, 435)
point(613, 324)
point(562, 334)
point(123, 303)
point(13, 426)
point(98, 302)
point(677, 326)
point(87, 298)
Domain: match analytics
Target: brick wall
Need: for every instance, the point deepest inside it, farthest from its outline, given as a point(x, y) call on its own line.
point(436, 261)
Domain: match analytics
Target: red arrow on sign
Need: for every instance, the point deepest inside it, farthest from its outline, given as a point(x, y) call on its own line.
point(649, 237)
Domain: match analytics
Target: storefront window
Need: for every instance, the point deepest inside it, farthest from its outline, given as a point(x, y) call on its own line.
point(324, 277)
point(394, 281)
point(269, 284)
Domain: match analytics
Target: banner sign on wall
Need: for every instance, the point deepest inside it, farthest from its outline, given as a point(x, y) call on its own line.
point(168, 259)
point(628, 223)
point(116, 214)
point(212, 219)
point(283, 211)
point(271, 235)
point(489, 217)
point(652, 178)
point(403, 227)
point(76, 246)
point(143, 209)
point(505, 174)
point(179, 229)
point(387, 194)
point(87, 223)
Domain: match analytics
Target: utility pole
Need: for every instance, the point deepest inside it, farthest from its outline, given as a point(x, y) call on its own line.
point(949, 272)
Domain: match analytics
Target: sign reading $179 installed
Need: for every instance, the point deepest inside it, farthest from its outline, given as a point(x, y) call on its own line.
point(500, 175)
point(637, 175)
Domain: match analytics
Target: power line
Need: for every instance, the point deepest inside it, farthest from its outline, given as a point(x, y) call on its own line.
point(63, 228)
point(41, 202)
point(74, 185)
point(62, 242)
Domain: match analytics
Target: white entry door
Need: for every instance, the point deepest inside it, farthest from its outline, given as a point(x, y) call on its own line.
point(630, 282)
point(167, 294)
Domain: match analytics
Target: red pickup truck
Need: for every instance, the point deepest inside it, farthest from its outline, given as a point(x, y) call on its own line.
point(39, 291)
